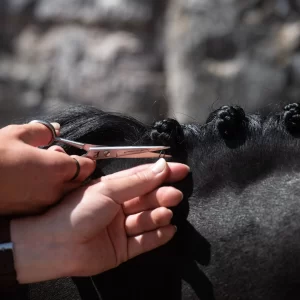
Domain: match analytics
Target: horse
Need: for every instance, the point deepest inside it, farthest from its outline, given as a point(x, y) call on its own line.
point(238, 225)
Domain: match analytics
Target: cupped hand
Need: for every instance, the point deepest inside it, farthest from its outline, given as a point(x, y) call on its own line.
point(31, 178)
point(97, 227)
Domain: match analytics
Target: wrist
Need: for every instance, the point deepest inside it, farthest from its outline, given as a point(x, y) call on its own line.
point(38, 257)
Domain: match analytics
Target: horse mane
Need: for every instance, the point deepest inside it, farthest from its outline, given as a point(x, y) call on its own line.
point(239, 223)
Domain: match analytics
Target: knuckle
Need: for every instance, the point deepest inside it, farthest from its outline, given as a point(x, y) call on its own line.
point(158, 217)
point(14, 129)
point(90, 165)
point(104, 188)
point(61, 169)
point(87, 165)
point(143, 177)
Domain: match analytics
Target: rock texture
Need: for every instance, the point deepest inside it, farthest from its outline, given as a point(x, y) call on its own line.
point(150, 59)
point(239, 52)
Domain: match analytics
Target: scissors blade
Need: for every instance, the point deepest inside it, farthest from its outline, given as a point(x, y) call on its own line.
point(146, 155)
point(125, 152)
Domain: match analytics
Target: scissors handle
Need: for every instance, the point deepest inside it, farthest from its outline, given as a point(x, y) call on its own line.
point(50, 127)
point(56, 138)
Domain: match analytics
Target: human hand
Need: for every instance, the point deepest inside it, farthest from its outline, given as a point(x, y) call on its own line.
point(100, 226)
point(32, 179)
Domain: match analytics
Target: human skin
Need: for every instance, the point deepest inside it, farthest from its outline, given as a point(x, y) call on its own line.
point(99, 226)
point(32, 179)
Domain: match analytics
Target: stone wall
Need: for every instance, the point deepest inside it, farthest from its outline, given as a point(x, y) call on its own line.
point(148, 58)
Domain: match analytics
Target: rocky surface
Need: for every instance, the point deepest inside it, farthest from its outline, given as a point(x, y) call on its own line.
point(148, 58)
point(223, 52)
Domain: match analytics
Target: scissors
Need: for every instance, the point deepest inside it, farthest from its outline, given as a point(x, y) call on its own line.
point(96, 152)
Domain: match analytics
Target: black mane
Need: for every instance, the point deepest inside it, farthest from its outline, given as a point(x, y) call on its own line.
point(239, 223)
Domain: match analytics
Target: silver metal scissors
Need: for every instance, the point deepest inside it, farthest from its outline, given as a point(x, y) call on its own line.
point(104, 152)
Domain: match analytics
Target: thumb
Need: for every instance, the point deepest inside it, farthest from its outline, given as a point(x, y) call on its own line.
point(137, 184)
point(36, 134)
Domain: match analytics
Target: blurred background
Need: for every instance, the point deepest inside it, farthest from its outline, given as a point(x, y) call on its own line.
point(148, 58)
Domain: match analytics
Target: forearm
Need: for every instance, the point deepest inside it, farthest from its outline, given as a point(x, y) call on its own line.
point(36, 257)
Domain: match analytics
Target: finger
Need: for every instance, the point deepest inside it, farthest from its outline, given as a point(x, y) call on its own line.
point(147, 221)
point(166, 196)
point(127, 172)
point(177, 172)
point(65, 167)
point(150, 240)
point(86, 168)
point(140, 183)
point(35, 134)
point(57, 149)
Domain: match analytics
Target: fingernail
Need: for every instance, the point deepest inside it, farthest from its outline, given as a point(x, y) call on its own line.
point(55, 125)
point(159, 166)
point(175, 228)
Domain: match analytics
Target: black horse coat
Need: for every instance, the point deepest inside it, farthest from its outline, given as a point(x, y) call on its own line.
point(239, 223)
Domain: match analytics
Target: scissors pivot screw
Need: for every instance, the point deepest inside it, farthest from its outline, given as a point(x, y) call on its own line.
point(106, 153)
